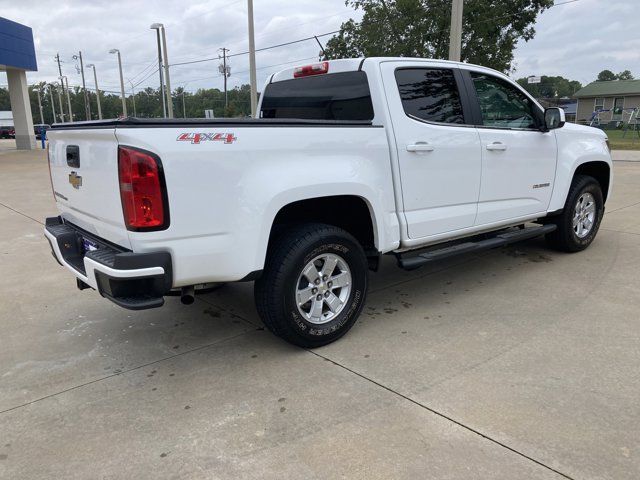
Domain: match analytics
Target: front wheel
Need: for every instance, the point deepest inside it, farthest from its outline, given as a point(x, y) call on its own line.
point(580, 220)
point(314, 285)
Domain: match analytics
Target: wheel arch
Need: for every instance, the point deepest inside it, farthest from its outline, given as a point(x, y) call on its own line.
point(352, 213)
point(599, 170)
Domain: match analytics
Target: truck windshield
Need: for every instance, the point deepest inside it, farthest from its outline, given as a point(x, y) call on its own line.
point(336, 96)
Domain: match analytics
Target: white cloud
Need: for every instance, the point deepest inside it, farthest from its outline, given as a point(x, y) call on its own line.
point(576, 40)
point(580, 39)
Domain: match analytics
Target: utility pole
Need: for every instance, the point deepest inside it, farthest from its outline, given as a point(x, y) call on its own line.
point(184, 108)
point(57, 57)
point(252, 60)
point(225, 73)
point(87, 106)
point(166, 74)
point(40, 105)
point(53, 105)
point(455, 39)
point(63, 80)
point(95, 79)
point(157, 27)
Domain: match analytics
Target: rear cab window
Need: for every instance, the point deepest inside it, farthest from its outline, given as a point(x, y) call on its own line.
point(333, 96)
point(430, 94)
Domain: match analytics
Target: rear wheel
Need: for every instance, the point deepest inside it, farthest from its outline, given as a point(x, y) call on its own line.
point(314, 284)
point(580, 220)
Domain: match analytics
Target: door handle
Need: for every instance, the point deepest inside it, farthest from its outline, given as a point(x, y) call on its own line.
point(420, 147)
point(496, 146)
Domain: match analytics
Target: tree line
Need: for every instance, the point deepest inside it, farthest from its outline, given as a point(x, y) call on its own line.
point(146, 103)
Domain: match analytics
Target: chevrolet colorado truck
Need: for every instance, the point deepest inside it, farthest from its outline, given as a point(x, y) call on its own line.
point(348, 160)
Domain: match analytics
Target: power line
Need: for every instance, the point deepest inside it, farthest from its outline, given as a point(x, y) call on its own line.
point(211, 77)
point(149, 75)
point(257, 50)
point(143, 71)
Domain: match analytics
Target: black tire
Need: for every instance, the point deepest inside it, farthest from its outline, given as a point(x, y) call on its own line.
point(275, 290)
point(565, 237)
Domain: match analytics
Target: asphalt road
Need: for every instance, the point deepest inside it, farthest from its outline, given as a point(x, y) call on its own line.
point(514, 364)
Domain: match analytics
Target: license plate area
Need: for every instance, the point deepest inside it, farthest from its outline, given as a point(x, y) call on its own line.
point(88, 245)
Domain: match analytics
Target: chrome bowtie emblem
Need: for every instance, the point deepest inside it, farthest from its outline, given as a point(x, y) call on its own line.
point(75, 180)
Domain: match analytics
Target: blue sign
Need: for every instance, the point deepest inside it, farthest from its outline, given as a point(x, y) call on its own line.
point(16, 46)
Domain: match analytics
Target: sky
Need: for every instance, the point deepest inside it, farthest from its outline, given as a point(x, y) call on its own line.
point(576, 40)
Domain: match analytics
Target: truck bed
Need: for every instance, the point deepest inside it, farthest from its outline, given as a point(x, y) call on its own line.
point(133, 122)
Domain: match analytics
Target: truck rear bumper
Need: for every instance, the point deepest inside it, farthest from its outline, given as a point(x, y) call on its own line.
point(135, 281)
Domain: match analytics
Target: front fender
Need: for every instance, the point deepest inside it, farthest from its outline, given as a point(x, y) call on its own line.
point(577, 145)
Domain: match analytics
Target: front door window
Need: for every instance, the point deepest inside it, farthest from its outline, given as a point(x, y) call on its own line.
point(502, 105)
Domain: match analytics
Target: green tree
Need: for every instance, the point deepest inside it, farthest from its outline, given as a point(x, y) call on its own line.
point(606, 76)
point(626, 75)
point(420, 28)
point(5, 103)
point(550, 87)
point(148, 103)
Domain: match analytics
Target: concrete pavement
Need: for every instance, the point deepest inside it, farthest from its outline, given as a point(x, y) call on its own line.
point(516, 363)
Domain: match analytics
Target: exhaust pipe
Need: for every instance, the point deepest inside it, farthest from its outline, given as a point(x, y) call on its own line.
point(188, 295)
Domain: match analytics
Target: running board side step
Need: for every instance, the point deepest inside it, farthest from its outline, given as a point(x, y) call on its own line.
point(411, 260)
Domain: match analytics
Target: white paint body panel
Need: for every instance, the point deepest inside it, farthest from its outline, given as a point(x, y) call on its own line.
point(509, 176)
point(223, 198)
point(440, 186)
point(95, 206)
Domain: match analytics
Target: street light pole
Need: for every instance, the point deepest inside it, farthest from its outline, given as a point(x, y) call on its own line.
point(87, 104)
point(40, 105)
point(252, 60)
point(95, 79)
point(455, 39)
point(124, 102)
point(157, 27)
point(166, 74)
point(60, 102)
point(64, 79)
point(133, 98)
point(53, 105)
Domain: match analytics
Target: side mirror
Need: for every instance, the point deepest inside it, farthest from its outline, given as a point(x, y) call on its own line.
point(554, 118)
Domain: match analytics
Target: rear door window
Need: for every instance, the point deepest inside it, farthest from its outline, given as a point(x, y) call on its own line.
point(430, 94)
point(334, 96)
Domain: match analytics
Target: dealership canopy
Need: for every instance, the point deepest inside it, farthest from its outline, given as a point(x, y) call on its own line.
point(17, 56)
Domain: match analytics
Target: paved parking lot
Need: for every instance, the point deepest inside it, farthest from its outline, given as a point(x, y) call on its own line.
point(516, 363)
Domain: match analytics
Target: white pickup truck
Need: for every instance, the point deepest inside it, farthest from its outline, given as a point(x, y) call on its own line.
point(349, 160)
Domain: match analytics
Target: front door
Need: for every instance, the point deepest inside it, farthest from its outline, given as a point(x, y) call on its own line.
point(438, 149)
point(518, 160)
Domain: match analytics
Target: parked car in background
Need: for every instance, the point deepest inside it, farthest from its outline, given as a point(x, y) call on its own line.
point(6, 131)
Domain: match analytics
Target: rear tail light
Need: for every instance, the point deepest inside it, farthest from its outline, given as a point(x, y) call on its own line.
point(308, 70)
point(142, 190)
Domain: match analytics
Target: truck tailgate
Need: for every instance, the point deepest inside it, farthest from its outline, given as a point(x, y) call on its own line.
point(84, 175)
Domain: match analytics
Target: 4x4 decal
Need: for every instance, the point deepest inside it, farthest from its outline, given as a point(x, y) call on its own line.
point(197, 138)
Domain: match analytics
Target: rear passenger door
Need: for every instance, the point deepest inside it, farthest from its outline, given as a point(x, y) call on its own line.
point(438, 148)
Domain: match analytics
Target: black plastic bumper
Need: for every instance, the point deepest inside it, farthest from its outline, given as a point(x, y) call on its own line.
point(133, 292)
